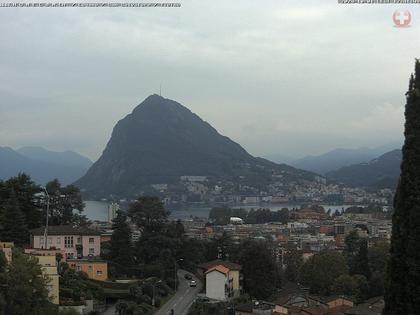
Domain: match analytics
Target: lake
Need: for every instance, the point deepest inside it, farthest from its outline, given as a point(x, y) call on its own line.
point(98, 210)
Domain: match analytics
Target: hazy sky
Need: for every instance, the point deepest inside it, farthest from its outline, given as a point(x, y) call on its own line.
point(279, 77)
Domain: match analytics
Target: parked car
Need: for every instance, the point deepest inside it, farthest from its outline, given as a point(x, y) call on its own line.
point(188, 276)
point(193, 283)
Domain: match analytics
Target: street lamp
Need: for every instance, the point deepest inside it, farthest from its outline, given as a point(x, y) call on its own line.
point(46, 221)
point(153, 298)
point(176, 275)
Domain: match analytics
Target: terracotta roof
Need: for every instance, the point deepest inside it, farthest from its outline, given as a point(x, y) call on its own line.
point(64, 230)
point(316, 310)
point(219, 268)
point(227, 264)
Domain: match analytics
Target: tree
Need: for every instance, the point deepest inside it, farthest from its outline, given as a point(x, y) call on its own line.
point(361, 261)
point(356, 252)
point(353, 286)
point(13, 227)
point(121, 249)
point(24, 190)
point(25, 288)
point(63, 202)
point(293, 261)
point(261, 276)
point(148, 213)
point(320, 271)
point(403, 290)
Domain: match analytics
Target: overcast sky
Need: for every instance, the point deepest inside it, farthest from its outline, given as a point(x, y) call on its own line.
point(279, 77)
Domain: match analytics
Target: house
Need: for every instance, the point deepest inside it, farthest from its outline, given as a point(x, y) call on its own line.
point(257, 308)
point(95, 269)
point(223, 280)
point(7, 249)
point(77, 242)
point(48, 265)
point(58, 254)
point(338, 301)
point(373, 306)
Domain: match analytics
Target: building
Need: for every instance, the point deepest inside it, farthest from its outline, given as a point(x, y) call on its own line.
point(77, 242)
point(59, 254)
point(236, 220)
point(113, 208)
point(223, 280)
point(7, 249)
point(95, 269)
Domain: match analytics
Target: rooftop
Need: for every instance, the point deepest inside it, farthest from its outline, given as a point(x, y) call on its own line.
point(227, 264)
point(219, 268)
point(64, 230)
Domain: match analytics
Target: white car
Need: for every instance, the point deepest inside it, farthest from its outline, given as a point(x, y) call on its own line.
point(193, 283)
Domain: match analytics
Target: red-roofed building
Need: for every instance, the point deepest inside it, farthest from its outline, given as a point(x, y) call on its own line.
point(222, 280)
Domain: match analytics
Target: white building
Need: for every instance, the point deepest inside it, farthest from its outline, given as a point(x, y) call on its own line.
point(222, 283)
point(236, 220)
point(112, 211)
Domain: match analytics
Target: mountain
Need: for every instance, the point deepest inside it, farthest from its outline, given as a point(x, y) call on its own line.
point(382, 172)
point(42, 165)
point(66, 158)
point(337, 158)
point(279, 158)
point(161, 140)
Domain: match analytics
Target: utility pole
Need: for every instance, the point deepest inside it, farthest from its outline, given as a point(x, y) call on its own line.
point(46, 220)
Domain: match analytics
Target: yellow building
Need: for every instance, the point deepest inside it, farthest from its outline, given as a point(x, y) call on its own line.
point(49, 268)
point(7, 248)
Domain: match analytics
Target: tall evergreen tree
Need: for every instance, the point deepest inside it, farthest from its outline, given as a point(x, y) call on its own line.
point(13, 226)
point(361, 260)
point(403, 289)
point(121, 249)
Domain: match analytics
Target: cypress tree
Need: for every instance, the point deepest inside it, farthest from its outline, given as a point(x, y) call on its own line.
point(13, 227)
point(361, 260)
point(403, 284)
point(121, 246)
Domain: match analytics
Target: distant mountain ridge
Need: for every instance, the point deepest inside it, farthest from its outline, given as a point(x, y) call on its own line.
point(382, 172)
point(42, 165)
point(340, 157)
point(162, 140)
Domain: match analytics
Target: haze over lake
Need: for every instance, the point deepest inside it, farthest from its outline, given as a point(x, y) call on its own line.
point(98, 210)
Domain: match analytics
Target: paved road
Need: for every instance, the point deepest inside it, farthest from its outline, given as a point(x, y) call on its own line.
point(183, 298)
point(111, 310)
point(180, 302)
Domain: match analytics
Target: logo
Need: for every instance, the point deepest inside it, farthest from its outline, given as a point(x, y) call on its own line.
point(402, 18)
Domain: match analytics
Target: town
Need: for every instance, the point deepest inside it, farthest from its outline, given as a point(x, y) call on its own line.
point(209, 257)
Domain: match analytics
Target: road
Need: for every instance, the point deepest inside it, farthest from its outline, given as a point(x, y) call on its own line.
point(180, 302)
point(111, 310)
point(183, 298)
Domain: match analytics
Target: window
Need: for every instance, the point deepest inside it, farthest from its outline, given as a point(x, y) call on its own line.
point(91, 251)
point(91, 240)
point(68, 241)
point(41, 240)
point(49, 240)
point(90, 268)
point(58, 240)
point(79, 268)
point(99, 272)
point(79, 240)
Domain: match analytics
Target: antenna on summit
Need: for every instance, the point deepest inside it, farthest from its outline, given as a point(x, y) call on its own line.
point(160, 90)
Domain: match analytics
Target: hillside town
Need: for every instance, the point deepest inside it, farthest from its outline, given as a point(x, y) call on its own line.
point(203, 190)
point(306, 232)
